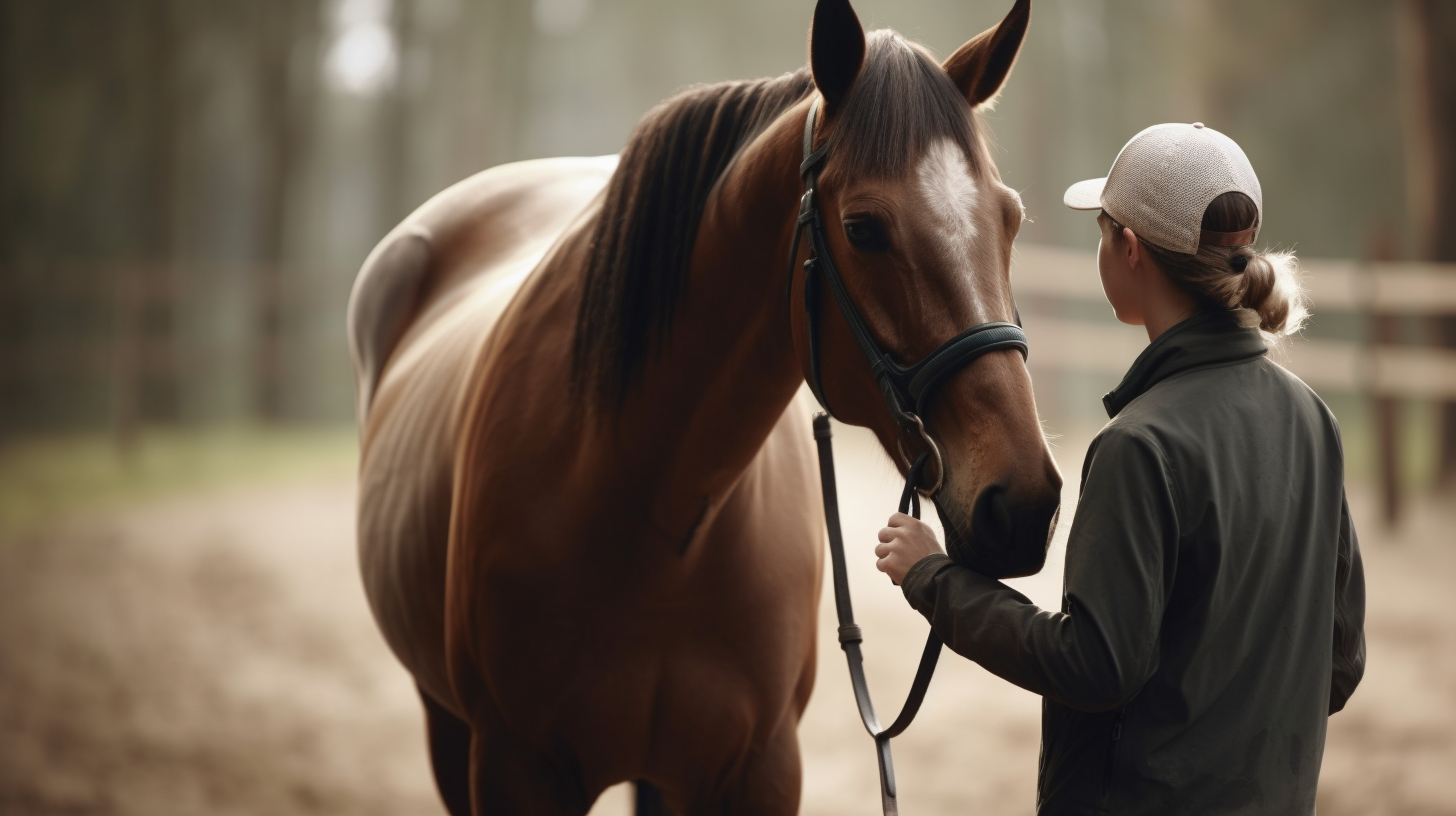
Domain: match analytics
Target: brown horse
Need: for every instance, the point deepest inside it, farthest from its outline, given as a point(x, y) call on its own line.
point(588, 519)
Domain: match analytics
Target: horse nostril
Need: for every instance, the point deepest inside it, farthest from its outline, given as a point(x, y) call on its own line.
point(991, 521)
point(1010, 532)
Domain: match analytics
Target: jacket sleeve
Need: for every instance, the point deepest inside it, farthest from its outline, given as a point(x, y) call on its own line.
point(1347, 664)
point(1097, 652)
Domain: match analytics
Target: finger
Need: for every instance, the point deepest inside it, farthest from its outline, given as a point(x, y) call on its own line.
point(883, 565)
point(882, 550)
point(900, 519)
point(886, 534)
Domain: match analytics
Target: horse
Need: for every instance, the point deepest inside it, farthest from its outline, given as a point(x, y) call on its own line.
point(588, 523)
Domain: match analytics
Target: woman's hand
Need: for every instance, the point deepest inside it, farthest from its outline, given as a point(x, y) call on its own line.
point(902, 544)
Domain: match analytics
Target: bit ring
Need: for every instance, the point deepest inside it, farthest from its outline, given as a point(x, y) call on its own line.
point(934, 452)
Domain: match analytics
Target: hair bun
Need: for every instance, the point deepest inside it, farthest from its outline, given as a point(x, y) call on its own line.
point(1271, 288)
point(1240, 279)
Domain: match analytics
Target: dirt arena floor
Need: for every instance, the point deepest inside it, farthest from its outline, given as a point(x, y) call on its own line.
point(210, 652)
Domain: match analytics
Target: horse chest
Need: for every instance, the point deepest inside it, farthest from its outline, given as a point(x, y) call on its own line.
point(586, 614)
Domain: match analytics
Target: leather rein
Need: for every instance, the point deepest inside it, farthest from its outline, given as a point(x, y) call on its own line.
point(905, 390)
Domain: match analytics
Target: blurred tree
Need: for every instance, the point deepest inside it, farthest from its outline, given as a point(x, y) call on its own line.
point(87, 190)
point(207, 147)
point(284, 34)
point(1434, 25)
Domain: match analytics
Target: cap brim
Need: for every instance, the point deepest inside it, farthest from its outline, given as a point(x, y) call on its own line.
point(1085, 195)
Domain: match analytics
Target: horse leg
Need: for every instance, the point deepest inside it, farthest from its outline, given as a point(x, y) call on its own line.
point(511, 779)
point(768, 782)
point(449, 738)
point(649, 801)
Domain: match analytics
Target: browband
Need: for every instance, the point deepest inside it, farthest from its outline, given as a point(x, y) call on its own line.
point(905, 388)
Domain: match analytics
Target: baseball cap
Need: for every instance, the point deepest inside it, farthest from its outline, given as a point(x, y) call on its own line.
point(1163, 180)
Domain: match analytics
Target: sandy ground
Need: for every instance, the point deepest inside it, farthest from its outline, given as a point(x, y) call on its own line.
point(212, 653)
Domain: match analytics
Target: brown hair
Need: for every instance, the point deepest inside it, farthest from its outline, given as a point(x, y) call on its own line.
point(1239, 279)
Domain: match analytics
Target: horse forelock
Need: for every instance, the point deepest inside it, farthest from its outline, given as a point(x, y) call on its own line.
point(900, 108)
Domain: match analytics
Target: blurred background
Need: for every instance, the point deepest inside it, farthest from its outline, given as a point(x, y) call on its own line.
point(187, 188)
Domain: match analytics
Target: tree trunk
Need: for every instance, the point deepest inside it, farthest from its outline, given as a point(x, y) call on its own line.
point(153, 391)
point(282, 28)
point(1435, 20)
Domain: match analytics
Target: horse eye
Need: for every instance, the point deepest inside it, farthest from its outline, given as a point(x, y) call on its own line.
point(867, 234)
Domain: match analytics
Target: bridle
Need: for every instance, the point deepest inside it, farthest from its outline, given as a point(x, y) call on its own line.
point(906, 390)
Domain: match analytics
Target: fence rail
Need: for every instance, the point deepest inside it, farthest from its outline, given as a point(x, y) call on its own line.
point(108, 328)
point(1374, 290)
point(127, 343)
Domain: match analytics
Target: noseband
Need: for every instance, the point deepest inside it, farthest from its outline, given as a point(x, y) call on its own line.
point(906, 389)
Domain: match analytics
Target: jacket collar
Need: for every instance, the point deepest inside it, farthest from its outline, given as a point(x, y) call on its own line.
point(1208, 338)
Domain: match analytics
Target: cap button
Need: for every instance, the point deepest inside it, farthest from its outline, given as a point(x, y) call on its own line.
point(1198, 124)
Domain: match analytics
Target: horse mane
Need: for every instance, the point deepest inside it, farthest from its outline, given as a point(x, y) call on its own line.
point(643, 239)
point(641, 245)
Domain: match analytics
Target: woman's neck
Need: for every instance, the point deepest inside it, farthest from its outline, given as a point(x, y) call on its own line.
point(1165, 304)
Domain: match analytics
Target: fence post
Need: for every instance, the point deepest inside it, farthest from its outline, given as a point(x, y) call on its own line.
point(1384, 331)
point(125, 365)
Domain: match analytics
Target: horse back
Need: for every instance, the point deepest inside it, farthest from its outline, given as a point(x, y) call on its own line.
point(468, 237)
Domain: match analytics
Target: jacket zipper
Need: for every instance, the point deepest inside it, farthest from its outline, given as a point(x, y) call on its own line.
point(1111, 758)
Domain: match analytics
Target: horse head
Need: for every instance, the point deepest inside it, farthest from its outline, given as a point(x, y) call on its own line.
point(920, 227)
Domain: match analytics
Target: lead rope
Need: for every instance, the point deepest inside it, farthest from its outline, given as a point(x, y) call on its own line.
point(850, 635)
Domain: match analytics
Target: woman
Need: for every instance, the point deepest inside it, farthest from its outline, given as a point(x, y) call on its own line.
point(1213, 603)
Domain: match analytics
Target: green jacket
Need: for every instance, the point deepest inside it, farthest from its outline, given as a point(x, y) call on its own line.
point(1213, 605)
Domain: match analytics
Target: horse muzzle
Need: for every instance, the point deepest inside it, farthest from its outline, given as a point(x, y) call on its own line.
point(1009, 529)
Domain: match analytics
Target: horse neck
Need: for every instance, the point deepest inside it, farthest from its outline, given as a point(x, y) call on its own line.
point(728, 370)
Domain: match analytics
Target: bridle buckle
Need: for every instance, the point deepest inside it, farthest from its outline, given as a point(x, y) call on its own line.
point(806, 207)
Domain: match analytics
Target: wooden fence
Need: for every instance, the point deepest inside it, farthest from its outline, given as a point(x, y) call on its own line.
point(92, 345)
point(1373, 298)
point(1371, 290)
point(133, 344)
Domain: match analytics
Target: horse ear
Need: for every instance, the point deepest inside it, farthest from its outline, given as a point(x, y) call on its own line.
point(980, 67)
point(836, 50)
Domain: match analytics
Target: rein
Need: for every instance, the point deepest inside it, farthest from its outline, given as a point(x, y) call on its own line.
point(905, 390)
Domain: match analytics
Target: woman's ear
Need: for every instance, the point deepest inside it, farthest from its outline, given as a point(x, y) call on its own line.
point(980, 67)
point(836, 50)
point(1132, 250)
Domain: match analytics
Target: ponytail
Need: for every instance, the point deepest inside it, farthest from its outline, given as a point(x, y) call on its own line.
point(1270, 289)
point(1262, 288)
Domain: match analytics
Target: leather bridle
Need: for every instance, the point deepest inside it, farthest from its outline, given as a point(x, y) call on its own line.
point(906, 390)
